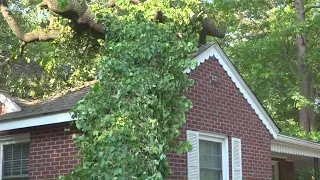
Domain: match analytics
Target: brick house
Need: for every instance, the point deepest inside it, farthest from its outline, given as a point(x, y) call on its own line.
point(233, 137)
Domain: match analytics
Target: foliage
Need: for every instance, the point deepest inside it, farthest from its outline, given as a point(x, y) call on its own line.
point(132, 117)
point(262, 44)
point(46, 67)
point(304, 174)
point(291, 128)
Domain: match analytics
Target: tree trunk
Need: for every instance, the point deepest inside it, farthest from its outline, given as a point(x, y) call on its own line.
point(306, 114)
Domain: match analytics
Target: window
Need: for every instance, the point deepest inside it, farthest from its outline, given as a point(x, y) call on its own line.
point(14, 157)
point(209, 158)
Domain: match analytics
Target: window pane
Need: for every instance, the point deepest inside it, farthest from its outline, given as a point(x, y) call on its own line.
point(210, 148)
point(7, 168)
point(7, 151)
point(206, 174)
point(25, 166)
point(210, 162)
point(16, 161)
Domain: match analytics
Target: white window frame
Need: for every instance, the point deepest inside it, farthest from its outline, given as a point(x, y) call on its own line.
point(14, 139)
point(224, 150)
point(276, 169)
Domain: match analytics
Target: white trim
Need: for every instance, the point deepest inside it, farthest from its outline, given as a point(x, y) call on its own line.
point(280, 156)
point(290, 145)
point(225, 150)
point(5, 140)
point(301, 142)
point(276, 169)
point(10, 105)
point(35, 121)
point(216, 51)
point(15, 138)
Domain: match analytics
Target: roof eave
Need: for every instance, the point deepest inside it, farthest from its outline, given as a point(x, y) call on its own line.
point(283, 139)
point(294, 146)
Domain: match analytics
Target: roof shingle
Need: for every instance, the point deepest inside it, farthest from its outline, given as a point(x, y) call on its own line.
point(55, 104)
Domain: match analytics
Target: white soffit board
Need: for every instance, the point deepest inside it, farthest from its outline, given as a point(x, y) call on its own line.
point(294, 146)
point(10, 105)
point(216, 51)
point(35, 121)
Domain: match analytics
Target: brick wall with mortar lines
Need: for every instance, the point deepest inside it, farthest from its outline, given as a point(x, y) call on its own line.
point(52, 150)
point(219, 107)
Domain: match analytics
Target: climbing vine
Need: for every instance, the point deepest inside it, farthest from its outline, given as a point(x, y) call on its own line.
point(133, 115)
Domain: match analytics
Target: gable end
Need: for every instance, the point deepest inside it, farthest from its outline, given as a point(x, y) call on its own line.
point(10, 106)
point(216, 51)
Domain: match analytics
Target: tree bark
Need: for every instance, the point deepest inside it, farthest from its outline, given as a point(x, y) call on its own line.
point(78, 12)
point(210, 29)
point(306, 114)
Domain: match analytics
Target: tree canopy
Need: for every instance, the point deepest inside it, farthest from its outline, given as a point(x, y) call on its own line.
point(57, 47)
point(275, 45)
point(137, 51)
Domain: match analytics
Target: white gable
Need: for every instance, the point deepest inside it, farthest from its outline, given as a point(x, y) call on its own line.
point(216, 51)
point(10, 105)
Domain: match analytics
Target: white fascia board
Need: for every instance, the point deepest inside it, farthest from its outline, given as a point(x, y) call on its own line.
point(10, 105)
point(35, 121)
point(216, 51)
point(294, 146)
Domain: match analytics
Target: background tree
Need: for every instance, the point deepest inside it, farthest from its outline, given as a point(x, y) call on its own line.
point(275, 46)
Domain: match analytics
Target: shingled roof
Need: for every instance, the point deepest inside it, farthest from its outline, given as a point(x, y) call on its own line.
point(61, 102)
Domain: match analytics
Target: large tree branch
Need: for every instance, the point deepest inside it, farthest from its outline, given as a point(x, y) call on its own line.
point(17, 30)
point(309, 8)
point(210, 29)
point(78, 12)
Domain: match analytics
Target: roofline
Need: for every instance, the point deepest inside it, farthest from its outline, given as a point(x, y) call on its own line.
point(295, 146)
point(216, 51)
point(296, 141)
point(8, 118)
point(42, 119)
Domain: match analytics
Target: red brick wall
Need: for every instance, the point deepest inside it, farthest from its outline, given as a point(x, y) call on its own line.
point(219, 107)
point(52, 151)
point(286, 170)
